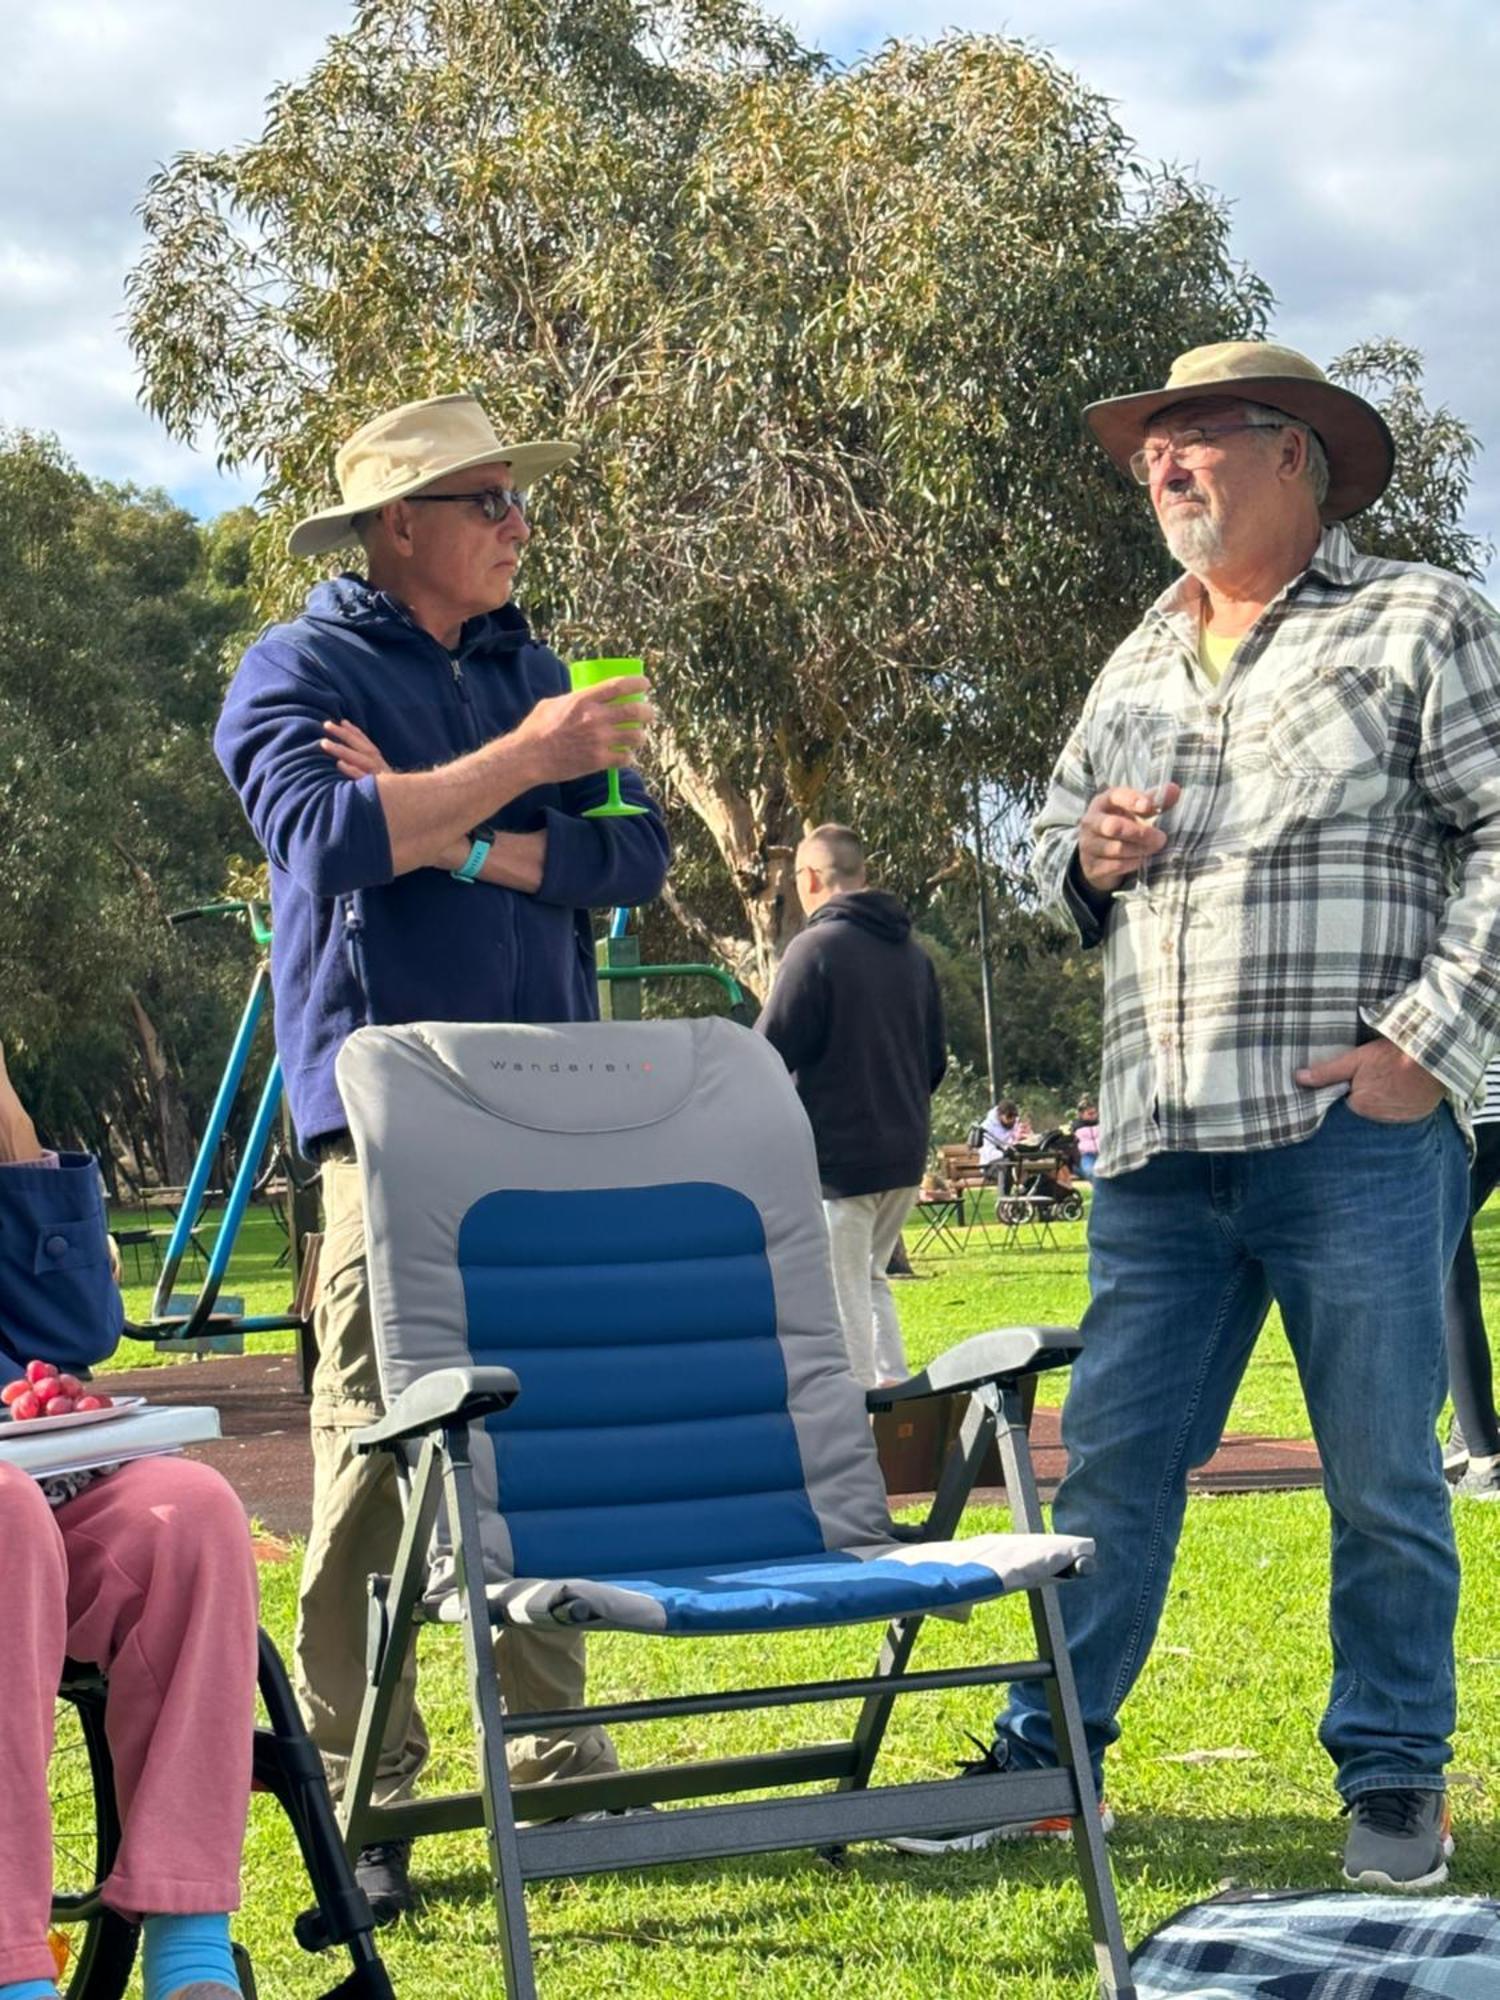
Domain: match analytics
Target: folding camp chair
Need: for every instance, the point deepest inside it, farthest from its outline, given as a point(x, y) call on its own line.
point(610, 1354)
point(941, 1214)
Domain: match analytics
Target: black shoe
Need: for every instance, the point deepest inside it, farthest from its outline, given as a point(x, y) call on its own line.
point(382, 1872)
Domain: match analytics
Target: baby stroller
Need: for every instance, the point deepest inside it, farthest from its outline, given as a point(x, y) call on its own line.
point(1039, 1179)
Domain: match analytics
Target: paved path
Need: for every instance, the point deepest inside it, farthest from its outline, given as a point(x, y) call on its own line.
point(265, 1453)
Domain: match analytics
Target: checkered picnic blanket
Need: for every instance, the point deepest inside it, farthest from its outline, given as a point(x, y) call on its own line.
point(1285, 1946)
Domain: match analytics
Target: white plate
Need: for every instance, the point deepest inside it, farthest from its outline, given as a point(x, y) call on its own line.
point(121, 1407)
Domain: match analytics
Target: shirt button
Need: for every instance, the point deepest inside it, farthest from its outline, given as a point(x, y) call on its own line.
point(1167, 947)
point(56, 1246)
point(1165, 1041)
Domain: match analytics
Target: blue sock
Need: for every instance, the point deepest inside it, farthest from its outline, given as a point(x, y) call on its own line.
point(177, 1950)
point(29, 1989)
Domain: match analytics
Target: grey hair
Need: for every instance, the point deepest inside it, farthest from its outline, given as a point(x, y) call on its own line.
point(1263, 417)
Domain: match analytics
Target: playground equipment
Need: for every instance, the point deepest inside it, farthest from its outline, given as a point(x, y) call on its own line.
point(205, 1321)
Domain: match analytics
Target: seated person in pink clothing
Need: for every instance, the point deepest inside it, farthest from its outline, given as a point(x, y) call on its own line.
point(145, 1570)
point(1086, 1135)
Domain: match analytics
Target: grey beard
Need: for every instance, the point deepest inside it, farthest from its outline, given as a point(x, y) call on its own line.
point(1195, 542)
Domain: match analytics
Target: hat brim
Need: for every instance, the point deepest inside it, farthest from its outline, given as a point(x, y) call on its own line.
point(1361, 451)
point(331, 528)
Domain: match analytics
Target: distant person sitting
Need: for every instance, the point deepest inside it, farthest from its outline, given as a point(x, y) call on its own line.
point(1003, 1127)
point(1086, 1138)
point(856, 1016)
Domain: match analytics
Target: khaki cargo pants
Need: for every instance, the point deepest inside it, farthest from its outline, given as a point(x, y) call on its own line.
point(355, 1527)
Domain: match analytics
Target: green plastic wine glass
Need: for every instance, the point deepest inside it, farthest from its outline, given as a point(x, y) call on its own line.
point(587, 674)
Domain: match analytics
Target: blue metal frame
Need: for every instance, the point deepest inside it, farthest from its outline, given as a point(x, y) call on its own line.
point(164, 1323)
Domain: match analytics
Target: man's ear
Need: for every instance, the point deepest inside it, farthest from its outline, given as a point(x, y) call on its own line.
point(398, 520)
point(1292, 462)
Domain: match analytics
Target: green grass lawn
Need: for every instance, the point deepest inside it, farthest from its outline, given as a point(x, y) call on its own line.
point(1218, 1777)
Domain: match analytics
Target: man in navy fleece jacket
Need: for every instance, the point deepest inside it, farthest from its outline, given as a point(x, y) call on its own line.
point(413, 764)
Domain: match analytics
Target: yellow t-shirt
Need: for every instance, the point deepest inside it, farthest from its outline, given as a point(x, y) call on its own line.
point(1215, 651)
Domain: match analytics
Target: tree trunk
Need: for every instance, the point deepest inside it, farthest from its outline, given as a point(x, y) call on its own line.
point(756, 834)
point(169, 1113)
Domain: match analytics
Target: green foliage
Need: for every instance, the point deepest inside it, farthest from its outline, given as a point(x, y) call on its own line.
point(1047, 997)
point(823, 333)
point(1419, 518)
point(115, 609)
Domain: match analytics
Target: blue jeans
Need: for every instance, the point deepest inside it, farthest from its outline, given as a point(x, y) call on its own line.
point(1351, 1232)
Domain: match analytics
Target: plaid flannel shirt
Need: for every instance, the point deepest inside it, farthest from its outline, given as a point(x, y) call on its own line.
point(1332, 868)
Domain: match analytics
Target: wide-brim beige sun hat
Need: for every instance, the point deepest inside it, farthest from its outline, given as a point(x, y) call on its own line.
point(1361, 452)
point(403, 450)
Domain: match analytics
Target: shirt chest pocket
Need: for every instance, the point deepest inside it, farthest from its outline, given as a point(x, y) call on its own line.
point(1332, 727)
point(68, 1246)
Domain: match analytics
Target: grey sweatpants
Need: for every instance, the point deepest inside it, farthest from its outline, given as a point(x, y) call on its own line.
point(862, 1231)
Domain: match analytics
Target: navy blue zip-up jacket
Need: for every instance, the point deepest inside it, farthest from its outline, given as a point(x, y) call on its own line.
point(58, 1299)
point(355, 944)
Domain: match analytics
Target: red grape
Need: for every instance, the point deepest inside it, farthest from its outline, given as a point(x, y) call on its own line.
point(38, 1371)
point(58, 1406)
point(14, 1391)
point(25, 1408)
point(70, 1385)
point(95, 1402)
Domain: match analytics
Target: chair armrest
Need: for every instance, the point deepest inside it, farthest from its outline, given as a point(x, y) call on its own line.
point(999, 1356)
point(446, 1396)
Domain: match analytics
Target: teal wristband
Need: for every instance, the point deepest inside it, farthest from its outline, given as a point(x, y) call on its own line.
point(474, 863)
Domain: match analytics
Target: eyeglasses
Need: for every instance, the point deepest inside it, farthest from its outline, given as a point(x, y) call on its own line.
point(494, 502)
point(1189, 446)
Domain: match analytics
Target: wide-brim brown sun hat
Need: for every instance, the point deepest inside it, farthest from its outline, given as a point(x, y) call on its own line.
point(403, 450)
point(1360, 449)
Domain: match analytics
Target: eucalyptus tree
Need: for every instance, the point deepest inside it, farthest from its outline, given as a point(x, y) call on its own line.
point(823, 332)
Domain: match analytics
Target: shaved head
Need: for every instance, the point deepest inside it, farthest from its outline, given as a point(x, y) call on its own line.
point(838, 854)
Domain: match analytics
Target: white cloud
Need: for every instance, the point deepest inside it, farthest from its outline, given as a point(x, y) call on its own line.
point(1357, 142)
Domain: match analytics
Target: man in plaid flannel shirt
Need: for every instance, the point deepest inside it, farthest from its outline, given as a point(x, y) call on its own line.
point(1280, 815)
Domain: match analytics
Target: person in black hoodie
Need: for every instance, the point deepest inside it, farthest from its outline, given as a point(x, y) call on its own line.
point(856, 1016)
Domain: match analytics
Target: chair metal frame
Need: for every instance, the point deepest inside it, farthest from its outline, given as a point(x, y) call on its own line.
point(433, 1416)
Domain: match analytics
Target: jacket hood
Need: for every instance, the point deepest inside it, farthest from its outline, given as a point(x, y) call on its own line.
point(872, 909)
point(348, 603)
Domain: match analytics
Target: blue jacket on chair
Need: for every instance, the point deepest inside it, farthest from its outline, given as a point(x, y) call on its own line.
point(58, 1298)
point(356, 945)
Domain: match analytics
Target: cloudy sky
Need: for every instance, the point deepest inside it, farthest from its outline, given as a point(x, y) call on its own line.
point(1357, 139)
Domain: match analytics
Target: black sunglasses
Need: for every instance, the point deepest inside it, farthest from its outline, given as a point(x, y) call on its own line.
point(494, 502)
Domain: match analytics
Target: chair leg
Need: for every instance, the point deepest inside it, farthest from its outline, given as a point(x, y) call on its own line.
point(291, 1769)
point(1111, 1957)
point(489, 1721)
point(955, 1484)
point(392, 1609)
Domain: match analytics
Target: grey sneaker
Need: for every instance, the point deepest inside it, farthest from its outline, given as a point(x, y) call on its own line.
point(932, 1845)
point(1480, 1482)
point(1398, 1840)
point(1455, 1451)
